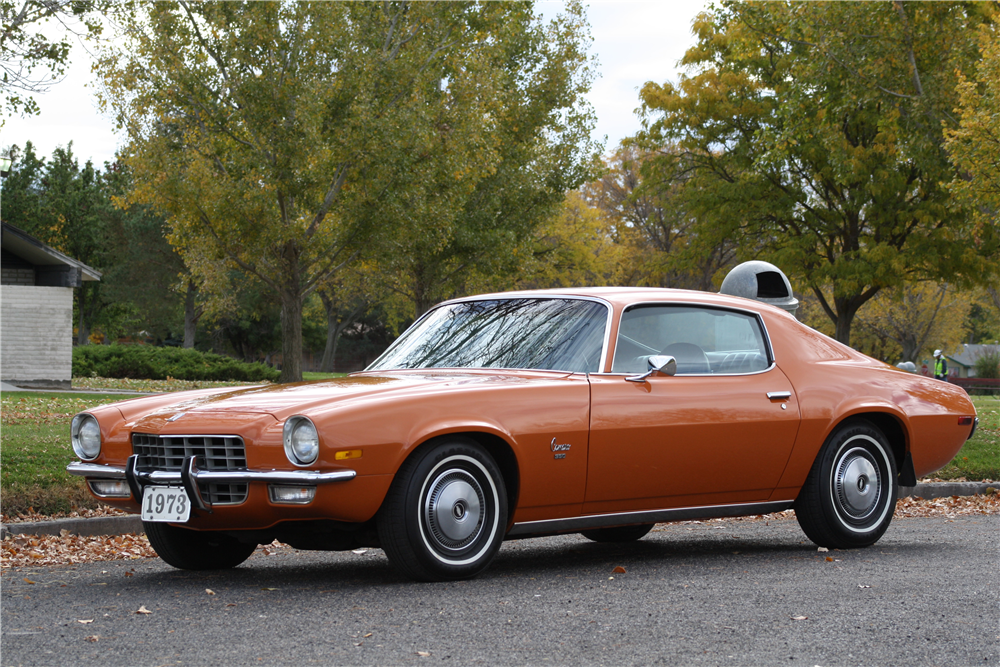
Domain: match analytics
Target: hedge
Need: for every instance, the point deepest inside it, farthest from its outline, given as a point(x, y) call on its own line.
point(146, 362)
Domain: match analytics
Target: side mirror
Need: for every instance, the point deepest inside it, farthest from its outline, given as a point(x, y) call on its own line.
point(658, 364)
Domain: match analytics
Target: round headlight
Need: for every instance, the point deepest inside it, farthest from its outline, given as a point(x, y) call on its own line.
point(85, 434)
point(301, 441)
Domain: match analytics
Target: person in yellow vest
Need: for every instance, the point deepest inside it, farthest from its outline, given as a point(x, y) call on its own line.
point(940, 366)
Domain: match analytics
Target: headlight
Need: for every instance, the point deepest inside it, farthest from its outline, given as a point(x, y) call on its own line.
point(301, 441)
point(85, 434)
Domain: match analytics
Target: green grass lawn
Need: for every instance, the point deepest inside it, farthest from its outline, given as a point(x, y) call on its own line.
point(979, 458)
point(35, 450)
point(322, 376)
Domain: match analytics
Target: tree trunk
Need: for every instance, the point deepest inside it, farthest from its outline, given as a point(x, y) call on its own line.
point(332, 334)
point(910, 349)
point(190, 315)
point(291, 334)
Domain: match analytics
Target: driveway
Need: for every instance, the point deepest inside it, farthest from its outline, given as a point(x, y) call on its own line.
point(715, 593)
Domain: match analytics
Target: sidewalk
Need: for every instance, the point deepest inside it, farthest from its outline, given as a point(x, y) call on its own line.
point(117, 525)
point(5, 387)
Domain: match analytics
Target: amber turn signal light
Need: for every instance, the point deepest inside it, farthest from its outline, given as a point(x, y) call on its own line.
point(347, 454)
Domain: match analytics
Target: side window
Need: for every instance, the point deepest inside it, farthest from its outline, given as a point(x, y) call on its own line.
point(703, 340)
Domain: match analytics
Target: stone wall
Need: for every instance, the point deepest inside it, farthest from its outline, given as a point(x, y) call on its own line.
point(36, 336)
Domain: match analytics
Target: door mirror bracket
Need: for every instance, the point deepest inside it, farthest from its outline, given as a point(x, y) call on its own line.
point(659, 364)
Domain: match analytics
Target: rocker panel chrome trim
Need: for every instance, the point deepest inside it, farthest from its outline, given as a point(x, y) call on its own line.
point(578, 523)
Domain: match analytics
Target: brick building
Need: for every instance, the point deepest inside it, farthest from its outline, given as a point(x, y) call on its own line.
point(36, 311)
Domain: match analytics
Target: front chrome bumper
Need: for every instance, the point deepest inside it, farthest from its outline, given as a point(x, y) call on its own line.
point(189, 476)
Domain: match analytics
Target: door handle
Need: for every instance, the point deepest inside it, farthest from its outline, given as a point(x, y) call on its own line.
point(779, 395)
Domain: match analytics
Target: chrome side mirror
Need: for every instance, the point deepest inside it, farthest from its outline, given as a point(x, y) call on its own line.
point(659, 364)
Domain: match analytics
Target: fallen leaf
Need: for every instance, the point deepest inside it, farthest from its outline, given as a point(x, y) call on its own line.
point(619, 570)
point(143, 610)
point(368, 635)
point(89, 620)
point(822, 549)
point(829, 559)
point(424, 654)
point(128, 574)
point(92, 638)
point(863, 586)
point(359, 551)
point(210, 591)
point(799, 618)
point(28, 581)
point(269, 589)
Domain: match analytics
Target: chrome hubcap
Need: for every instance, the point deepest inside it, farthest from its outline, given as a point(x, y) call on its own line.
point(453, 509)
point(857, 484)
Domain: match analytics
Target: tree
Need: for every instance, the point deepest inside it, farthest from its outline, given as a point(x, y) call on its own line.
point(24, 48)
point(506, 147)
point(68, 208)
point(974, 145)
point(346, 297)
point(652, 224)
point(572, 249)
point(72, 209)
point(810, 134)
point(278, 136)
point(917, 318)
point(146, 272)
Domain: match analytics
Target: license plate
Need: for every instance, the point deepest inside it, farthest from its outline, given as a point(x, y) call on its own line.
point(165, 503)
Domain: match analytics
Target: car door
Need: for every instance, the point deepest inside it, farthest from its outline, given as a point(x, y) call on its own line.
point(718, 432)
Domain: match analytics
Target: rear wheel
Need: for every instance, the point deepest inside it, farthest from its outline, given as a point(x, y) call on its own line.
point(850, 494)
point(445, 514)
point(196, 550)
point(618, 533)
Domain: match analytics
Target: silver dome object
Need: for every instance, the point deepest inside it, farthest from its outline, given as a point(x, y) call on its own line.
point(762, 281)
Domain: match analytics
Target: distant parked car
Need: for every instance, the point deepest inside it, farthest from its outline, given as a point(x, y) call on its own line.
point(600, 411)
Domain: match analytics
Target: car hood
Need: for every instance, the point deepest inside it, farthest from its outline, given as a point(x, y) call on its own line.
point(283, 400)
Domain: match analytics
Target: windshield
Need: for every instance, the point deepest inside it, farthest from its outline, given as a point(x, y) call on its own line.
point(542, 334)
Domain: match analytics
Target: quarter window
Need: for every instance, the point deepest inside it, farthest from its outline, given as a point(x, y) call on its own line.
point(702, 340)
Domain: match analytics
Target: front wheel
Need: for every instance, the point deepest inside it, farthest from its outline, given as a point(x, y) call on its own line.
point(850, 494)
point(188, 549)
point(445, 514)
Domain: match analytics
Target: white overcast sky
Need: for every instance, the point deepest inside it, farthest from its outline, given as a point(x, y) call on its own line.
point(634, 41)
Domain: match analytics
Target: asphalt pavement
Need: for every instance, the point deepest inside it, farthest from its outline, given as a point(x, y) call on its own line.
point(714, 593)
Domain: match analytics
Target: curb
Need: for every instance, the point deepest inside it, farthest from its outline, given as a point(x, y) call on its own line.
point(105, 525)
point(118, 525)
point(933, 490)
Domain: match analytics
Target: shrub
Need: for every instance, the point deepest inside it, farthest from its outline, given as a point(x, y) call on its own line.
point(145, 362)
point(987, 364)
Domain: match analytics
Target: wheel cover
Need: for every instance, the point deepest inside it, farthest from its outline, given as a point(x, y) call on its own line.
point(453, 509)
point(860, 484)
point(857, 484)
point(458, 516)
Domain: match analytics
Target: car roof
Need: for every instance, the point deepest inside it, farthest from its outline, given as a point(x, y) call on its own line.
point(619, 297)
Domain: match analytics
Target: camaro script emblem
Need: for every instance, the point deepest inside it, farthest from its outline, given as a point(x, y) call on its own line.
point(559, 448)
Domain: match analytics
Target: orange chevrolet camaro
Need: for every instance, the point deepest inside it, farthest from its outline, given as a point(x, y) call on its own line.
point(600, 411)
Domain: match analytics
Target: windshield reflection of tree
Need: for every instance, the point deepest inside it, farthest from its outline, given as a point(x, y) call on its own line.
point(512, 333)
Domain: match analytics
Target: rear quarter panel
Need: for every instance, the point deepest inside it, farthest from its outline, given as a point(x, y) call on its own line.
point(834, 382)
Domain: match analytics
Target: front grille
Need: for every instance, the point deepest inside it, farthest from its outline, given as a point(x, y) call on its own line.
point(212, 452)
